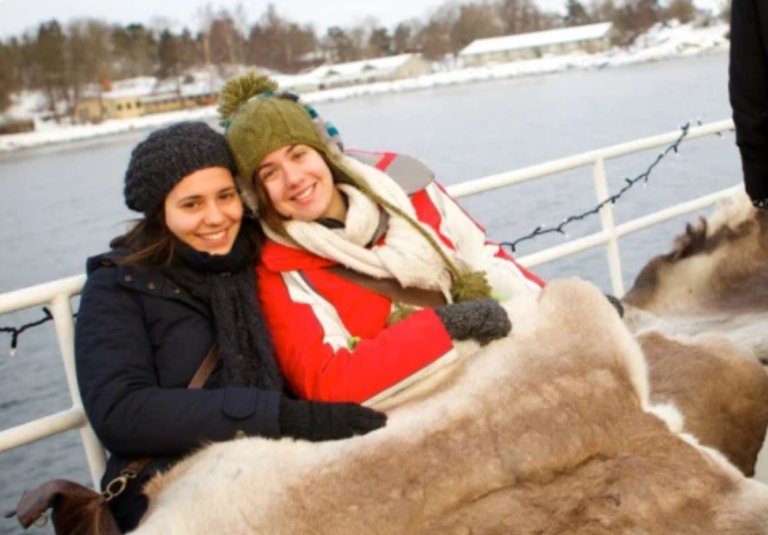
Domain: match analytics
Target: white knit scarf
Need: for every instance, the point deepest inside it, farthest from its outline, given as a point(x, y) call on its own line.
point(406, 255)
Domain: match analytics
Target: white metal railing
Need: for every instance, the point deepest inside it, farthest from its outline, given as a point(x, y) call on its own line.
point(57, 294)
point(610, 233)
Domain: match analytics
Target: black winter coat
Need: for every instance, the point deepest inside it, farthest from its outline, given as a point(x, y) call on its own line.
point(139, 339)
point(748, 89)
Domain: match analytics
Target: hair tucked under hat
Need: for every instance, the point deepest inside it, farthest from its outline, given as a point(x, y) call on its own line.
point(166, 156)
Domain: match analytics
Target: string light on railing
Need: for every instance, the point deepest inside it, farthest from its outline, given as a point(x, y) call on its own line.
point(16, 331)
point(629, 183)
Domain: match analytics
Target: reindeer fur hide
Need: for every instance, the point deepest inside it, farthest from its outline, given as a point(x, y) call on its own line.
point(548, 431)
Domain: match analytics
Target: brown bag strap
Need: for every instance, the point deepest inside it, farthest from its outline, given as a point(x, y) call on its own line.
point(391, 288)
point(206, 368)
point(115, 487)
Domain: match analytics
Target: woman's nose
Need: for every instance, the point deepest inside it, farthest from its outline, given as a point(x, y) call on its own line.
point(213, 214)
point(292, 174)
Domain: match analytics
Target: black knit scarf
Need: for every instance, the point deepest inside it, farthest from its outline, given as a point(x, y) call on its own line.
point(227, 283)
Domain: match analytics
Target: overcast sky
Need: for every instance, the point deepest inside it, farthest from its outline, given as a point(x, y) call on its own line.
point(17, 16)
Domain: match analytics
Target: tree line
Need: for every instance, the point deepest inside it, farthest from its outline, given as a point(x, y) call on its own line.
point(62, 60)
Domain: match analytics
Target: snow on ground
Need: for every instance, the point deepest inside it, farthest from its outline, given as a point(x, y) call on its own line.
point(661, 42)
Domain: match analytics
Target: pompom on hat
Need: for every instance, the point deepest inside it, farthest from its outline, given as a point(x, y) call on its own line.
point(168, 155)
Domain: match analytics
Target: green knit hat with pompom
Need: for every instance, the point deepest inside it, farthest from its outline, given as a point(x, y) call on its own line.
point(257, 122)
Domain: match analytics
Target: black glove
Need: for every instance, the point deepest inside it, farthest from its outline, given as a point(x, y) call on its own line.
point(317, 420)
point(612, 299)
point(483, 320)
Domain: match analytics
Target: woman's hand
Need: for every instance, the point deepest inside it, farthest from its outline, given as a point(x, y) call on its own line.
point(483, 320)
point(318, 420)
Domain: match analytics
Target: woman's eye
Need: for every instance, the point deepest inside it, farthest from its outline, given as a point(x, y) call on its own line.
point(299, 154)
point(189, 205)
point(266, 174)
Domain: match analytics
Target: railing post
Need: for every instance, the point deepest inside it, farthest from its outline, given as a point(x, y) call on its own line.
point(63, 319)
point(609, 227)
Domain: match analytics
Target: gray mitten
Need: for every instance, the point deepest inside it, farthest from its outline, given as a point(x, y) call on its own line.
point(483, 320)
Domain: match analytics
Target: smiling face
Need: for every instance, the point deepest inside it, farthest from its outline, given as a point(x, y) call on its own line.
point(204, 210)
point(300, 185)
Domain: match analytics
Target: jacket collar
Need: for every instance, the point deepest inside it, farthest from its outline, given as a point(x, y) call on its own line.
point(147, 281)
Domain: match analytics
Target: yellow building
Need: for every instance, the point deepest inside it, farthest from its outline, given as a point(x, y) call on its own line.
point(97, 109)
point(142, 96)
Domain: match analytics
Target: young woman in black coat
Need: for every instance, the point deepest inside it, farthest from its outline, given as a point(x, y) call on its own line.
point(181, 279)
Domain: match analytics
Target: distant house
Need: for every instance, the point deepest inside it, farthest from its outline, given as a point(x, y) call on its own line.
point(370, 70)
point(145, 95)
point(121, 99)
point(589, 37)
point(15, 125)
point(191, 95)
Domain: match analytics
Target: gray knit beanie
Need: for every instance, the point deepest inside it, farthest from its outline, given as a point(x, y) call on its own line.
point(168, 155)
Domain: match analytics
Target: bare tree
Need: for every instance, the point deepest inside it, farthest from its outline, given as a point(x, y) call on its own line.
point(634, 18)
point(519, 16)
point(6, 74)
point(226, 42)
point(404, 37)
point(190, 53)
point(475, 21)
point(88, 57)
point(301, 46)
point(168, 55)
point(49, 66)
point(682, 10)
point(380, 43)
point(276, 43)
point(11, 70)
point(434, 38)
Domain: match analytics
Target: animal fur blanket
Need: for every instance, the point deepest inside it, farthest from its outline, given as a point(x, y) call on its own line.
point(550, 430)
point(700, 313)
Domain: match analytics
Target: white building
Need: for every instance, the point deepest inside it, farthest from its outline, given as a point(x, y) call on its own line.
point(590, 38)
point(370, 70)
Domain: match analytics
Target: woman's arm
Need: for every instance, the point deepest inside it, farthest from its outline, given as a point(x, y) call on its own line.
point(748, 90)
point(118, 378)
point(343, 351)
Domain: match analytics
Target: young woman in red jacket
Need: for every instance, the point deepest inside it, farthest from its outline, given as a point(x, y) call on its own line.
point(381, 217)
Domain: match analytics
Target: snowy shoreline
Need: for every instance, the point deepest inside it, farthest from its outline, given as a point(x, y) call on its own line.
point(660, 43)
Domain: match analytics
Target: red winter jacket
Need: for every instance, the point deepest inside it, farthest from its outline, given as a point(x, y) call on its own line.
point(331, 335)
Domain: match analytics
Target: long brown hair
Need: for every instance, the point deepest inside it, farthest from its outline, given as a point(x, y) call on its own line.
point(149, 243)
point(266, 210)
